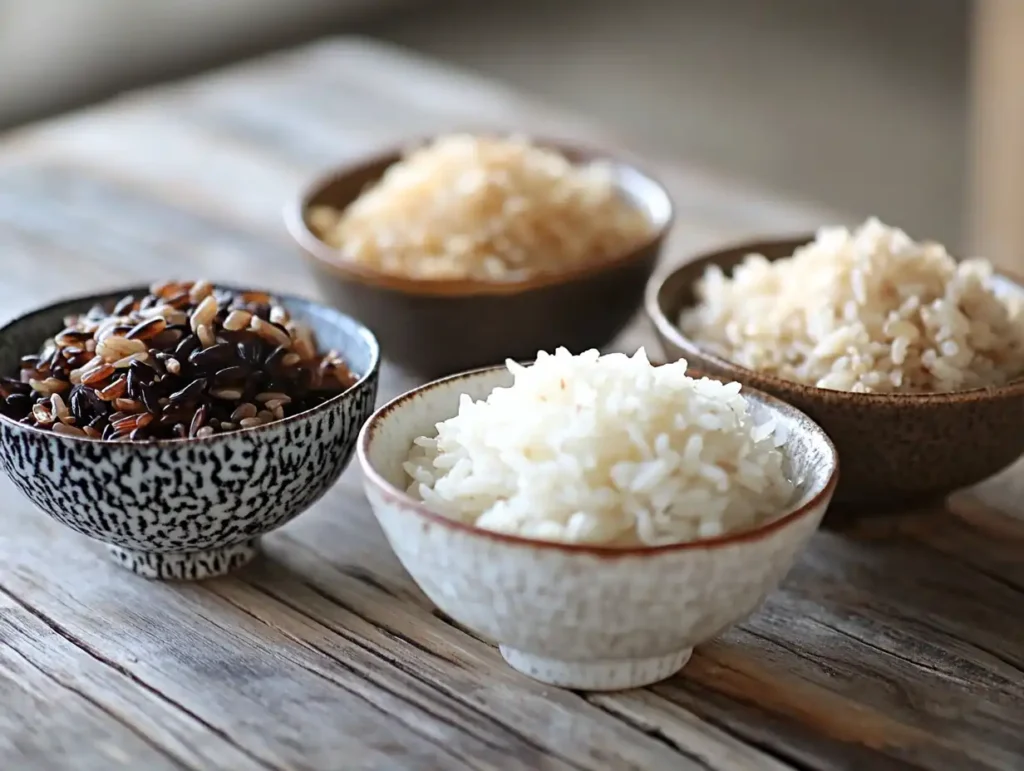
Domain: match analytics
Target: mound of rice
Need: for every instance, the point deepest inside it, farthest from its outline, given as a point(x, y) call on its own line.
point(604, 450)
point(870, 311)
point(484, 208)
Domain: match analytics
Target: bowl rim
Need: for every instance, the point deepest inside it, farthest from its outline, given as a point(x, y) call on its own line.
point(99, 297)
point(671, 332)
point(321, 255)
point(822, 492)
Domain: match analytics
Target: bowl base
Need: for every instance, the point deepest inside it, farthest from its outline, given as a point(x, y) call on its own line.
point(186, 566)
point(596, 675)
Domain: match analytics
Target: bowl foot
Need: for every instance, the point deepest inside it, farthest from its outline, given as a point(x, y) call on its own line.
point(186, 566)
point(596, 675)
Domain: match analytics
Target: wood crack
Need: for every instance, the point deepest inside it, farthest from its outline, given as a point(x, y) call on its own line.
point(658, 735)
point(142, 735)
point(782, 753)
point(797, 764)
point(386, 630)
point(376, 653)
point(820, 662)
point(365, 577)
point(356, 673)
point(440, 615)
point(891, 653)
point(1016, 667)
point(123, 671)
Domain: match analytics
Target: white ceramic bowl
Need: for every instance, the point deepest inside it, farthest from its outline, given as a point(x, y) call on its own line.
point(592, 618)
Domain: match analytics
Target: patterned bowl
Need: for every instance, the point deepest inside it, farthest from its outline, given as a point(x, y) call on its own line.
point(593, 618)
point(897, 449)
point(189, 508)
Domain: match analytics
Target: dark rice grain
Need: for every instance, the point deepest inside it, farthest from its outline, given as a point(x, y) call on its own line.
point(255, 367)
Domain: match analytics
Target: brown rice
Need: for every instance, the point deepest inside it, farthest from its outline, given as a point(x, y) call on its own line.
point(484, 208)
point(868, 311)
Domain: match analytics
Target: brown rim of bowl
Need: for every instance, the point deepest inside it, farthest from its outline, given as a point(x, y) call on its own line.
point(666, 327)
point(324, 256)
point(101, 296)
point(740, 536)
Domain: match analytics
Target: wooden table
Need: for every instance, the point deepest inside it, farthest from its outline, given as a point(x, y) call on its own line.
point(894, 644)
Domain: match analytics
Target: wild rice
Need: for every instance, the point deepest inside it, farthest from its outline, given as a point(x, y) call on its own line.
point(187, 359)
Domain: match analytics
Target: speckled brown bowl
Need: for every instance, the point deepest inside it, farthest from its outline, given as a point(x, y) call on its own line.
point(895, 449)
point(435, 328)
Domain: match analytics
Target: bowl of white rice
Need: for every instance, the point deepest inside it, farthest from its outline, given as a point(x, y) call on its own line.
point(911, 360)
point(596, 516)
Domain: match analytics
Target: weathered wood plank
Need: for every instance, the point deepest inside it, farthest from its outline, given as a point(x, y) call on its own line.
point(739, 698)
point(286, 705)
point(397, 625)
point(47, 725)
point(694, 737)
point(183, 740)
point(923, 669)
point(825, 641)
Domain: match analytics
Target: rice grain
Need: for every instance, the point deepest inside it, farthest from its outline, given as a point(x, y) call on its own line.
point(868, 311)
point(604, 450)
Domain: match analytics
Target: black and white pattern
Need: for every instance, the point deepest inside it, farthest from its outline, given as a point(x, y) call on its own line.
point(190, 508)
point(192, 566)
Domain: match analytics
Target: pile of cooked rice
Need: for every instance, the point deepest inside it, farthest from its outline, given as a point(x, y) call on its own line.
point(869, 311)
point(484, 208)
point(604, 450)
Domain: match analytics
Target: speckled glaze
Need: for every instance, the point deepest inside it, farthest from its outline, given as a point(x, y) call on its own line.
point(189, 508)
point(580, 309)
point(896, 449)
point(593, 618)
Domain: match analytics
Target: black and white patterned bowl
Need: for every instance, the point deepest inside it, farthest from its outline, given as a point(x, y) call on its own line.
point(189, 508)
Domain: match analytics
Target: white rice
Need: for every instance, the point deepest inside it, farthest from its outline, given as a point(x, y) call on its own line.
point(604, 450)
point(870, 311)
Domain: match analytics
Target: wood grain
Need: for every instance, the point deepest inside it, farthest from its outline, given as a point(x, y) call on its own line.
point(896, 642)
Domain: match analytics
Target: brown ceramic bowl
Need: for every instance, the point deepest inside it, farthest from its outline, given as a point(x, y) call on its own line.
point(895, 449)
point(434, 328)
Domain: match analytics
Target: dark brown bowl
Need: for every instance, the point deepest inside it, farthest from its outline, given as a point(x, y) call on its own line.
point(435, 328)
point(896, 449)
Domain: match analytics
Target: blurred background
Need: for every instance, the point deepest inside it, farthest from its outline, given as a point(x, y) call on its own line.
point(863, 106)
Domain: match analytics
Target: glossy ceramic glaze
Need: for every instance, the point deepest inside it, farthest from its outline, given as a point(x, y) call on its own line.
point(896, 449)
point(189, 508)
point(435, 328)
point(575, 616)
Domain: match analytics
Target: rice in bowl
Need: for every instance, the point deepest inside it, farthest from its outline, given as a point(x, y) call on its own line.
point(607, 450)
point(869, 311)
point(485, 208)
